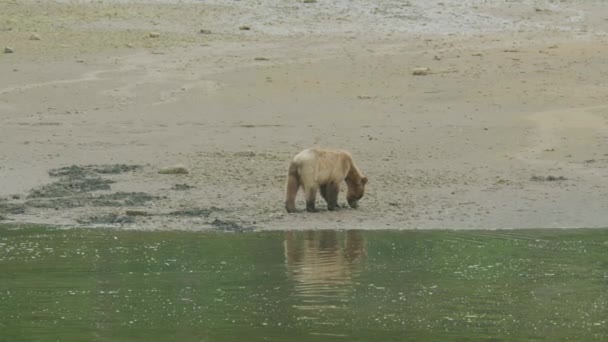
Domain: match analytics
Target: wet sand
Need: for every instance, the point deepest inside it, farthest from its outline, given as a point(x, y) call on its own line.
point(508, 130)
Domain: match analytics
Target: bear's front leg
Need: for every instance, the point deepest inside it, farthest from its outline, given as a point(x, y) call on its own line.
point(332, 192)
point(311, 198)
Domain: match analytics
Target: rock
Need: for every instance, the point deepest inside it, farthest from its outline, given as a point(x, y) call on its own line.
point(8, 49)
point(34, 36)
point(421, 71)
point(204, 31)
point(154, 34)
point(174, 170)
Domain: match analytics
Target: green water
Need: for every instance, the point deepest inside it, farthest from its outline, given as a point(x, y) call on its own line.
point(111, 285)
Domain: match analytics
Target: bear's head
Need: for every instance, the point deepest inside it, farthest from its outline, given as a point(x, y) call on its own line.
point(356, 190)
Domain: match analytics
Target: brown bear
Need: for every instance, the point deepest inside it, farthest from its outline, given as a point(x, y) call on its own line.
point(319, 169)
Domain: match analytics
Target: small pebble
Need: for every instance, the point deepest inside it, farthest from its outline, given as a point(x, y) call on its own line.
point(421, 71)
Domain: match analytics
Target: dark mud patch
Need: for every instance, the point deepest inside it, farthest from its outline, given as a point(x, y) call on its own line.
point(195, 212)
point(76, 171)
point(68, 186)
point(73, 171)
point(112, 218)
point(548, 178)
point(76, 186)
point(118, 199)
point(229, 226)
point(114, 169)
point(182, 187)
point(174, 170)
point(74, 180)
point(11, 208)
point(132, 199)
point(136, 213)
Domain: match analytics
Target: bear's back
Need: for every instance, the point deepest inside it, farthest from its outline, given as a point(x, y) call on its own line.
point(321, 154)
point(322, 165)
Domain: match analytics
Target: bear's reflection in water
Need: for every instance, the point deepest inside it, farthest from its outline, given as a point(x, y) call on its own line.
point(323, 265)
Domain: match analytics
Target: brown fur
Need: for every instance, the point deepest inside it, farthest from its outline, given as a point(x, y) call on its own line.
point(316, 169)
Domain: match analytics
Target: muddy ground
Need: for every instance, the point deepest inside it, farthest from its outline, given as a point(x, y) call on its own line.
point(507, 128)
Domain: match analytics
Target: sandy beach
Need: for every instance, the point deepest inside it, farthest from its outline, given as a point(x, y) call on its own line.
point(506, 128)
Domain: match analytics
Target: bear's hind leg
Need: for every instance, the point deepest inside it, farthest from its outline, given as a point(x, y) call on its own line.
point(311, 198)
point(332, 192)
point(291, 188)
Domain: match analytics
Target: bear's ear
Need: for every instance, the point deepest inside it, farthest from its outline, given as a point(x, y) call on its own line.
point(364, 180)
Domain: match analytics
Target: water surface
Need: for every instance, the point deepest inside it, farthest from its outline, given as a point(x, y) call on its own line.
point(112, 285)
